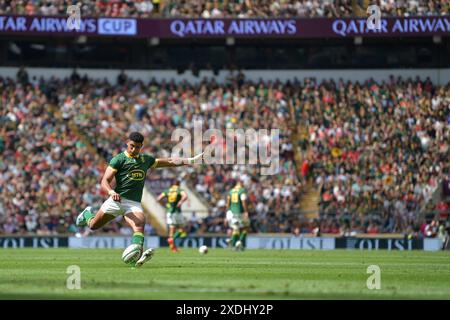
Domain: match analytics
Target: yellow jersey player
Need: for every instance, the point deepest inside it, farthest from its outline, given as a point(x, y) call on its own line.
point(237, 216)
point(175, 220)
point(129, 168)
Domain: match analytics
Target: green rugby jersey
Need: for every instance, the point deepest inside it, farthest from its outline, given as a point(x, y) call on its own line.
point(173, 195)
point(130, 174)
point(236, 206)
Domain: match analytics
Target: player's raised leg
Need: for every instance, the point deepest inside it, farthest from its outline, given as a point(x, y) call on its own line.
point(100, 220)
point(93, 221)
point(108, 211)
point(136, 220)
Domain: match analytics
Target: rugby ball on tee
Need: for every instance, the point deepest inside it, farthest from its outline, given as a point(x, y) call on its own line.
point(132, 253)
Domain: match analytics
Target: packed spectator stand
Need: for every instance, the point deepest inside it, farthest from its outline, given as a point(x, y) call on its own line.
point(224, 8)
point(375, 150)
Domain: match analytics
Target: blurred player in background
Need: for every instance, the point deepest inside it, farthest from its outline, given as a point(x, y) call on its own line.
point(129, 168)
point(175, 198)
point(237, 216)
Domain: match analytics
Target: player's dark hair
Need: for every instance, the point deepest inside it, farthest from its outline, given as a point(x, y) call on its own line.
point(136, 137)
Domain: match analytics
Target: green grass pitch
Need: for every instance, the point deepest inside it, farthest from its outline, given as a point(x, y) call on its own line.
point(225, 274)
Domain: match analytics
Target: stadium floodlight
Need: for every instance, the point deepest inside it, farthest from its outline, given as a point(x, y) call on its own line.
point(437, 39)
point(153, 41)
point(81, 40)
point(14, 48)
point(37, 46)
point(230, 41)
point(358, 41)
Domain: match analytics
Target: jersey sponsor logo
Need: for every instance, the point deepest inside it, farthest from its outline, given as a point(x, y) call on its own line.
point(137, 174)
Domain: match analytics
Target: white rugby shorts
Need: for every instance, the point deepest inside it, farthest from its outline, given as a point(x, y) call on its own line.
point(175, 219)
point(116, 208)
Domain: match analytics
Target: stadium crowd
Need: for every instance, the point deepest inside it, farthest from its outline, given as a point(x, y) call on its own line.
point(375, 150)
point(224, 8)
point(46, 173)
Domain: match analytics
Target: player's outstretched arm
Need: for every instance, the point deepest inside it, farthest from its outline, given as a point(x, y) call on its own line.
point(176, 162)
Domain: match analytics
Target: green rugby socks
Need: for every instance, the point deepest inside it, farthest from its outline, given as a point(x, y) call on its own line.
point(88, 216)
point(138, 238)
